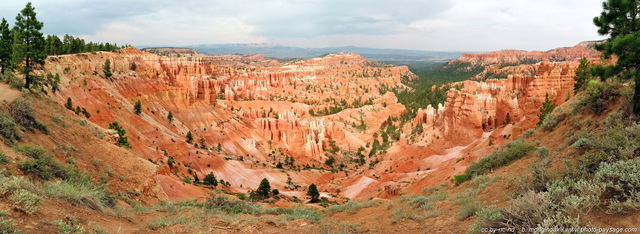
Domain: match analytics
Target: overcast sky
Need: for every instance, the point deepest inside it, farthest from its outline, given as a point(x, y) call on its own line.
point(444, 25)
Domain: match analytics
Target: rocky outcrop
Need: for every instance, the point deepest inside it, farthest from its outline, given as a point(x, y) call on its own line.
point(173, 52)
point(516, 57)
point(248, 114)
point(481, 106)
point(244, 113)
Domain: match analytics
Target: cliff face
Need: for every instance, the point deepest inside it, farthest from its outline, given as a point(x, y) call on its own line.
point(515, 57)
point(482, 106)
point(501, 64)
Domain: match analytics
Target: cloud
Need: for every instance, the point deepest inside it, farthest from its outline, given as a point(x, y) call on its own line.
point(307, 19)
point(408, 24)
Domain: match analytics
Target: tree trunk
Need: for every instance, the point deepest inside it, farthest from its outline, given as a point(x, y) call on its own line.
point(27, 78)
point(636, 97)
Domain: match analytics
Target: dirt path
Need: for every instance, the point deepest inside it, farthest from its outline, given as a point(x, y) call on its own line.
point(7, 93)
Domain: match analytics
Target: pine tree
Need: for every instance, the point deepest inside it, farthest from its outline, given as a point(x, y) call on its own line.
point(170, 116)
point(545, 109)
point(28, 44)
point(107, 68)
point(210, 179)
point(507, 118)
point(122, 140)
point(313, 193)
point(583, 75)
point(6, 41)
point(137, 108)
point(189, 137)
point(620, 19)
point(264, 189)
point(69, 104)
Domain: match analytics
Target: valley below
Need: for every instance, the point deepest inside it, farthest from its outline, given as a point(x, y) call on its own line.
point(338, 122)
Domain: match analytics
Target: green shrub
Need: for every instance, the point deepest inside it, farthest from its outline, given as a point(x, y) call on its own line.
point(6, 224)
point(542, 151)
point(3, 158)
point(438, 196)
point(167, 222)
point(42, 165)
point(8, 127)
point(527, 134)
point(30, 151)
point(351, 207)
point(81, 193)
point(621, 182)
point(487, 217)
point(28, 201)
point(468, 207)
point(68, 228)
point(13, 183)
point(297, 212)
point(14, 81)
point(551, 121)
point(582, 144)
point(233, 206)
point(421, 202)
point(458, 179)
point(403, 213)
point(507, 154)
point(599, 94)
point(22, 112)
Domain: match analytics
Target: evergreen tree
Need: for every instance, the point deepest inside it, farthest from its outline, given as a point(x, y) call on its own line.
point(264, 189)
point(210, 179)
point(122, 140)
point(28, 44)
point(620, 19)
point(313, 193)
point(69, 104)
point(545, 109)
point(55, 45)
point(137, 108)
point(507, 118)
point(170, 116)
point(583, 75)
point(6, 41)
point(66, 44)
point(189, 137)
point(107, 68)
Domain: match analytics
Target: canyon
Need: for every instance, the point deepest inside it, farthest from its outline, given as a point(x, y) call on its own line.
point(327, 120)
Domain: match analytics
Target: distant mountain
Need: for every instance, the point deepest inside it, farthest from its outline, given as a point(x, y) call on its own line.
point(283, 52)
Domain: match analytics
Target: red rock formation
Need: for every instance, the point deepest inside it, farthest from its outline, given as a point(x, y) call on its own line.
point(483, 106)
point(245, 113)
point(583, 49)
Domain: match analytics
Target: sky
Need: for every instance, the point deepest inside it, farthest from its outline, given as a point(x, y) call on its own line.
point(440, 25)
